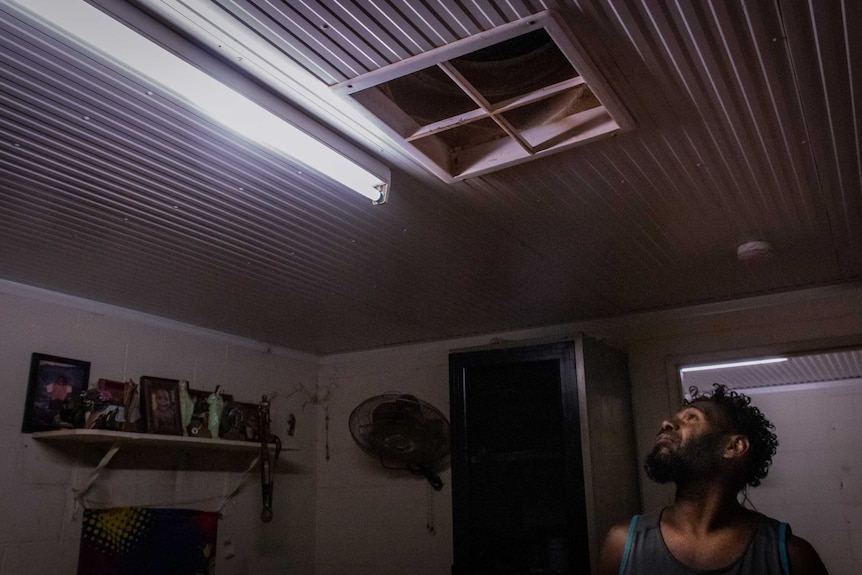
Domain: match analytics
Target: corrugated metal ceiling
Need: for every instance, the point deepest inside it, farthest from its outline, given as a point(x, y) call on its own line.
point(747, 128)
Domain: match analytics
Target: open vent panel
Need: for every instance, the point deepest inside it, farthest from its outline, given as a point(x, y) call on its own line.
point(517, 92)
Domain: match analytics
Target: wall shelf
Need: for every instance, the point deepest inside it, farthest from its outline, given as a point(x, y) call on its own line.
point(113, 441)
point(103, 437)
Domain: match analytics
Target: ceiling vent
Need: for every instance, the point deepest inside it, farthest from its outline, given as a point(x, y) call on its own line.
point(518, 92)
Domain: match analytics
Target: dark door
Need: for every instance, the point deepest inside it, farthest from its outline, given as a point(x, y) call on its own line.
point(517, 472)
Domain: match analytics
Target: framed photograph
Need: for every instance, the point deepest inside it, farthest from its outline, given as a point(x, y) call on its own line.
point(199, 426)
point(108, 405)
point(160, 405)
point(240, 421)
point(53, 393)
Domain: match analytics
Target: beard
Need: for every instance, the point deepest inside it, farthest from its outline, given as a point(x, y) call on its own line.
point(697, 458)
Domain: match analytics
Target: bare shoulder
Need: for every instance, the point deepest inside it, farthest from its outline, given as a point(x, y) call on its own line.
point(613, 548)
point(803, 559)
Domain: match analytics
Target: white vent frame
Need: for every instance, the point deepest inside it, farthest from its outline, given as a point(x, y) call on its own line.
point(609, 118)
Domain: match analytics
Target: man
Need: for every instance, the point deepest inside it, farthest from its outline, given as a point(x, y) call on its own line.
point(715, 447)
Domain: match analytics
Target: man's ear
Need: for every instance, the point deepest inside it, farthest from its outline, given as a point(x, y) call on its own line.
point(736, 446)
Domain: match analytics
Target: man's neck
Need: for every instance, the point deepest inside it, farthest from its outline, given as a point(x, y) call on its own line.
point(705, 507)
point(706, 528)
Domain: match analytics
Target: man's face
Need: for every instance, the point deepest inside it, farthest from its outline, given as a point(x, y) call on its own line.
point(688, 446)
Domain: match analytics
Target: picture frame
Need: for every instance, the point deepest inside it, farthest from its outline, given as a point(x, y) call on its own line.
point(115, 389)
point(111, 406)
point(240, 421)
point(160, 405)
point(53, 391)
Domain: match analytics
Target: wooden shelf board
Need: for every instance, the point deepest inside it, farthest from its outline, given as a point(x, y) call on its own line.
point(107, 437)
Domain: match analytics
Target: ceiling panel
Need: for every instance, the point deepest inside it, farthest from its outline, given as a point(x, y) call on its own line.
point(746, 127)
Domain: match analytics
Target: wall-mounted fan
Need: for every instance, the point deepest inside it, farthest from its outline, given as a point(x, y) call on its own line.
point(403, 432)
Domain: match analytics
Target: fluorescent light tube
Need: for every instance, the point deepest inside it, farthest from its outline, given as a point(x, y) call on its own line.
point(732, 364)
point(90, 26)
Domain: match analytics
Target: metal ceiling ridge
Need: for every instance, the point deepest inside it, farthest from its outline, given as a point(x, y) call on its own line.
point(162, 202)
point(139, 236)
point(93, 128)
point(639, 34)
point(201, 173)
point(257, 259)
point(268, 265)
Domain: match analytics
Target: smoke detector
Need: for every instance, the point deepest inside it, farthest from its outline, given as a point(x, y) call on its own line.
point(508, 95)
point(755, 250)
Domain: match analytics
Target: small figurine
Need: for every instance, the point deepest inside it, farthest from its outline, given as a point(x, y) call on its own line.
point(131, 407)
point(187, 406)
point(216, 406)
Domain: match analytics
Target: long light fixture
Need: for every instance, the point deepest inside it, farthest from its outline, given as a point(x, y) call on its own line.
point(117, 42)
point(732, 364)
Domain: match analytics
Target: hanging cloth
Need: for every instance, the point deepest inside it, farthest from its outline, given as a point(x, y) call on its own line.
point(146, 541)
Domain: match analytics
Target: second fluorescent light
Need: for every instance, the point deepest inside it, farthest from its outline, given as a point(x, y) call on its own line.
point(732, 364)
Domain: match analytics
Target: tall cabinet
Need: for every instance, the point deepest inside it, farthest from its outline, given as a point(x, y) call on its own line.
point(543, 456)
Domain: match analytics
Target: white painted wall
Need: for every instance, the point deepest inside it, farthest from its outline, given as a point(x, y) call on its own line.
point(371, 521)
point(344, 514)
point(827, 319)
point(815, 483)
point(39, 534)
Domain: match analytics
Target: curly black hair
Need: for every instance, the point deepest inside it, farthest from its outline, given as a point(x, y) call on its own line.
point(747, 420)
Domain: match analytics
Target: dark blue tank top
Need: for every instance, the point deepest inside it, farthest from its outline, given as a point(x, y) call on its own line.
point(646, 553)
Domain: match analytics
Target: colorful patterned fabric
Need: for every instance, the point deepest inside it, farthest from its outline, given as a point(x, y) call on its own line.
point(142, 541)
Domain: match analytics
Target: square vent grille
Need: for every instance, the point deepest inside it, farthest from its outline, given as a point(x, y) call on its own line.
point(518, 92)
